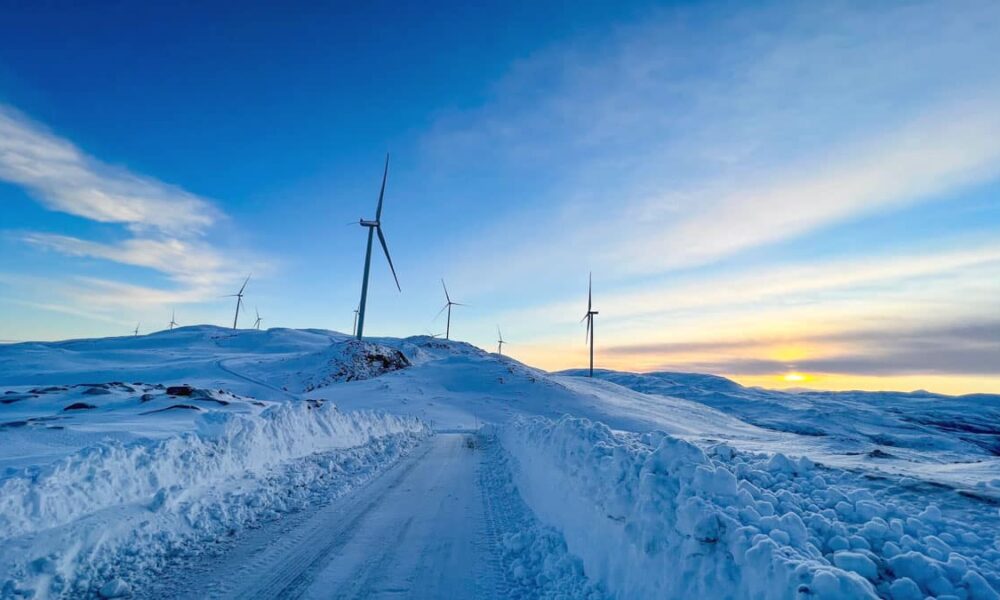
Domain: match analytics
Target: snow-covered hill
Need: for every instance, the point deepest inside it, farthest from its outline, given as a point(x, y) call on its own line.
point(118, 453)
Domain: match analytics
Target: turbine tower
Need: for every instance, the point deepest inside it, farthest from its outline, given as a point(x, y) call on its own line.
point(355, 330)
point(373, 228)
point(448, 305)
point(589, 318)
point(136, 332)
point(239, 299)
point(256, 324)
point(499, 341)
point(173, 319)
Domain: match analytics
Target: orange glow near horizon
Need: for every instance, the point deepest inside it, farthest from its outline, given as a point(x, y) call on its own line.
point(556, 358)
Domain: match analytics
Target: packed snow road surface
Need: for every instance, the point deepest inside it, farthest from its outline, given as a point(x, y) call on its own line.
point(417, 531)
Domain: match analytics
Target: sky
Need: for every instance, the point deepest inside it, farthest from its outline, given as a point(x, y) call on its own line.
point(790, 194)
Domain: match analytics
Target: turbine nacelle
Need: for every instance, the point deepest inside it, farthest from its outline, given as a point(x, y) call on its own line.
point(365, 223)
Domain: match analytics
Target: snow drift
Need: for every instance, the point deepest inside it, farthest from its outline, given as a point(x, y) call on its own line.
point(653, 516)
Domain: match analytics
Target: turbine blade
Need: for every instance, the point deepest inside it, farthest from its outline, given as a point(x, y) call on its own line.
point(439, 312)
point(586, 337)
point(446, 296)
point(590, 287)
point(244, 286)
point(385, 248)
point(381, 194)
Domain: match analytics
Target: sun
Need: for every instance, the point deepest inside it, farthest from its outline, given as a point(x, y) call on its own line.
point(793, 377)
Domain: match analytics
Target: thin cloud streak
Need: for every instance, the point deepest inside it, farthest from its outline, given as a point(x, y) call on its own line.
point(189, 262)
point(780, 282)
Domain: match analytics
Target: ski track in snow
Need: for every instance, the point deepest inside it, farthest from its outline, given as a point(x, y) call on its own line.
point(221, 364)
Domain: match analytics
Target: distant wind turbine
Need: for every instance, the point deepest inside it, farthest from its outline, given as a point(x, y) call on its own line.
point(373, 228)
point(136, 332)
point(500, 341)
point(355, 330)
point(256, 324)
point(173, 319)
point(239, 299)
point(448, 305)
point(589, 318)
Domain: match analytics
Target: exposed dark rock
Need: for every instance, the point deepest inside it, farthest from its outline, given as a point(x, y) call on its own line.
point(358, 361)
point(95, 391)
point(173, 407)
point(48, 390)
point(16, 398)
point(879, 453)
point(146, 397)
point(179, 390)
point(12, 424)
point(79, 406)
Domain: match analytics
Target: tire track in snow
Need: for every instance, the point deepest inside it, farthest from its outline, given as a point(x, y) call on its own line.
point(417, 530)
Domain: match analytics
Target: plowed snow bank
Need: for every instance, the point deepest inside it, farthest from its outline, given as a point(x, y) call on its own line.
point(71, 527)
point(653, 516)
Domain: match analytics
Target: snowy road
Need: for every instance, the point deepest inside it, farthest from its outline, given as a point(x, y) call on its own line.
point(418, 531)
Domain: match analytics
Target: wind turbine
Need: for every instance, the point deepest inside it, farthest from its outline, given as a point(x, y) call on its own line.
point(373, 228)
point(239, 299)
point(589, 318)
point(136, 332)
point(173, 321)
point(448, 305)
point(256, 324)
point(500, 341)
point(355, 330)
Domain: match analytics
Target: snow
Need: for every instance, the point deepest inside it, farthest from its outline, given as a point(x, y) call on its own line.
point(125, 459)
point(228, 473)
point(652, 515)
point(950, 439)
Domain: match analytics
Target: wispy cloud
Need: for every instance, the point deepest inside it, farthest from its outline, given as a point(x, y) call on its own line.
point(943, 150)
point(167, 225)
point(666, 146)
point(64, 178)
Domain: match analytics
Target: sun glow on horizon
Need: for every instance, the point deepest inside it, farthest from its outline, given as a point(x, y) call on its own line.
point(795, 377)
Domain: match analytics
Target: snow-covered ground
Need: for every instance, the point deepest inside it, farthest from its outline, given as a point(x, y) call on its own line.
point(130, 461)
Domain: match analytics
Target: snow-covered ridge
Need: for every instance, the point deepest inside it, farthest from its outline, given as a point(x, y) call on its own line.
point(653, 516)
point(225, 445)
point(266, 364)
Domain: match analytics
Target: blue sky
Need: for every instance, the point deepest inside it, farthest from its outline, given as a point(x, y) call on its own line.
point(788, 193)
